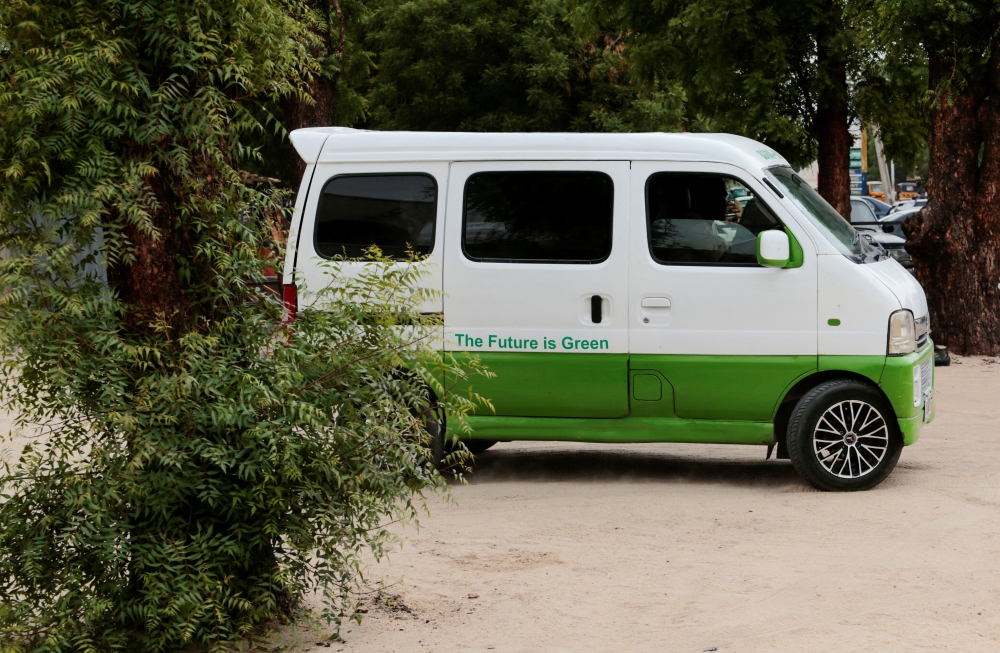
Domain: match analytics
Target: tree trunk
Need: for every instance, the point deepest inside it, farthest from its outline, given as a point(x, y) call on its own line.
point(955, 240)
point(150, 284)
point(834, 177)
point(299, 113)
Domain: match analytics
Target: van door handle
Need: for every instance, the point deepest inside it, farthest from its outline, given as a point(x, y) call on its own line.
point(655, 302)
point(596, 304)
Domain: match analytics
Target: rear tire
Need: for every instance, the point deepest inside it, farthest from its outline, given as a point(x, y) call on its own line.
point(477, 447)
point(843, 436)
point(437, 428)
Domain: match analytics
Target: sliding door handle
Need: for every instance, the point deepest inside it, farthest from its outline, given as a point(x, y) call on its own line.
point(596, 304)
point(655, 302)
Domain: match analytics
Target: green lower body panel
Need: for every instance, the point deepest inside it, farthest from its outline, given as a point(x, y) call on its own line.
point(870, 367)
point(553, 385)
point(731, 388)
point(666, 398)
point(910, 428)
point(898, 385)
point(629, 429)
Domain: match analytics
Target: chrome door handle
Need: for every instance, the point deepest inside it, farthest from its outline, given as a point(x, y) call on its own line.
point(655, 302)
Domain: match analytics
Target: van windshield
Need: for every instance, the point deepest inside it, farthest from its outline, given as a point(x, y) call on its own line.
point(824, 217)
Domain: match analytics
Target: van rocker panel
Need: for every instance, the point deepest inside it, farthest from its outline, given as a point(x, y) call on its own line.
point(625, 430)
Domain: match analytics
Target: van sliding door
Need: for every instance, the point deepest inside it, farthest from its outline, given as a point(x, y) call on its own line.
point(535, 283)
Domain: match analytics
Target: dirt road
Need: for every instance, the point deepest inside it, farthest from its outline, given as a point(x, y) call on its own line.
point(691, 548)
point(695, 548)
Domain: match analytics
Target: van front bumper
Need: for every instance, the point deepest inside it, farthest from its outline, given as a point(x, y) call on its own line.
point(905, 382)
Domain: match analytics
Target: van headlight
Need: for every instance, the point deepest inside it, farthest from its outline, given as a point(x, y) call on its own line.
point(902, 333)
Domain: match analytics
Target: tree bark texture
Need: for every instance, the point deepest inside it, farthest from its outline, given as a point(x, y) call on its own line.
point(150, 285)
point(955, 240)
point(299, 112)
point(834, 177)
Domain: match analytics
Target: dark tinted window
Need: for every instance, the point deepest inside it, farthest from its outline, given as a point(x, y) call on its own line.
point(546, 217)
point(704, 219)
point(395, 212)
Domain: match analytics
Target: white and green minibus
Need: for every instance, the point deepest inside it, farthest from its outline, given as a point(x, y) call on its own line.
point(623, 288)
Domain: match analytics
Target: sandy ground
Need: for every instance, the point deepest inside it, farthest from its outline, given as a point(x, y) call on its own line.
point(569, 547)
point(575, 547)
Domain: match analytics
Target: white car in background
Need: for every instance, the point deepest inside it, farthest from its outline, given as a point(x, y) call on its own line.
point(906, 205)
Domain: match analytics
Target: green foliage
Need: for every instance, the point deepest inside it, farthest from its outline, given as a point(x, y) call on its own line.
point(484, 65)
point(179, 489)
point(198, 467)
point(757, 67)
point(344, 66)
point(749, 67)
point(901, 39)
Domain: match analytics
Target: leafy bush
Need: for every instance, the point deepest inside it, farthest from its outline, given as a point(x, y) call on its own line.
point(198, 466)
point(180, 489)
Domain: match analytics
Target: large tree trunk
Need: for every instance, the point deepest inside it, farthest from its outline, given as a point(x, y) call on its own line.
point(150, 284)
point(955, 240)
point(300, 113)
point(834, 177)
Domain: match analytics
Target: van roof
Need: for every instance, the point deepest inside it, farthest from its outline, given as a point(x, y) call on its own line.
point(341, 144)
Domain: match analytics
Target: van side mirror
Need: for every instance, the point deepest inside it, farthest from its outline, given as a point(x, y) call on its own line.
point(773, 249)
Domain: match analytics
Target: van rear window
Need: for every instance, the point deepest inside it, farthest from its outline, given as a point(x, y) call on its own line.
point(394, 212)
point(538, 217)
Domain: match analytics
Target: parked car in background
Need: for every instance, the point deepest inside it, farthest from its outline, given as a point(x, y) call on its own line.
point(906, 205)
point(893, 222)
point(862, 211)
point(886, 231)
point(876, 190)
point(880, 208)
point(894, 246)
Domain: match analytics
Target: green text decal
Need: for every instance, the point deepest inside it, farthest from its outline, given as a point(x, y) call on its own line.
point(568, 343)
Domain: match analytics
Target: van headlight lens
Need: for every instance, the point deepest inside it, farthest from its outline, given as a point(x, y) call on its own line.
point(902, 333)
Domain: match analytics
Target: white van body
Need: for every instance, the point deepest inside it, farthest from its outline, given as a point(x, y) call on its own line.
point(682, 350)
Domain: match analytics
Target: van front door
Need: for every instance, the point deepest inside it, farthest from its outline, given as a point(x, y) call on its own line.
point(535, 283)
point(728, 335)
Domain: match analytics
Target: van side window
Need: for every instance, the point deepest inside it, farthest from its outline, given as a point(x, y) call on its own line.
point(538, 217)
point(395, 212)
point(704, 219)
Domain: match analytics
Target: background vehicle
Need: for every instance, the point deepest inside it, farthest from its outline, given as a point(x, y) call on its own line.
point(894, 246)
point(880, 208)
point(907, 190)
point(862, 212)
point(893, 223)
point(907, 204)
point(876, 190)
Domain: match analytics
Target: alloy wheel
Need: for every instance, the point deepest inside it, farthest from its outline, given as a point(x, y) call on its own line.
point(850, 439)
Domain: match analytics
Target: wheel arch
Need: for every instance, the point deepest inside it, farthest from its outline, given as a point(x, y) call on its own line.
point(799, 389)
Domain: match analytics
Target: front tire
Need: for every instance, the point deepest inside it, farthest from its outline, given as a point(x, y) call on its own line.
point(843, 436)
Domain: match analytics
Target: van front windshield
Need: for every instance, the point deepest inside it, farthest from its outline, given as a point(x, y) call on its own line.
point(831, 224)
